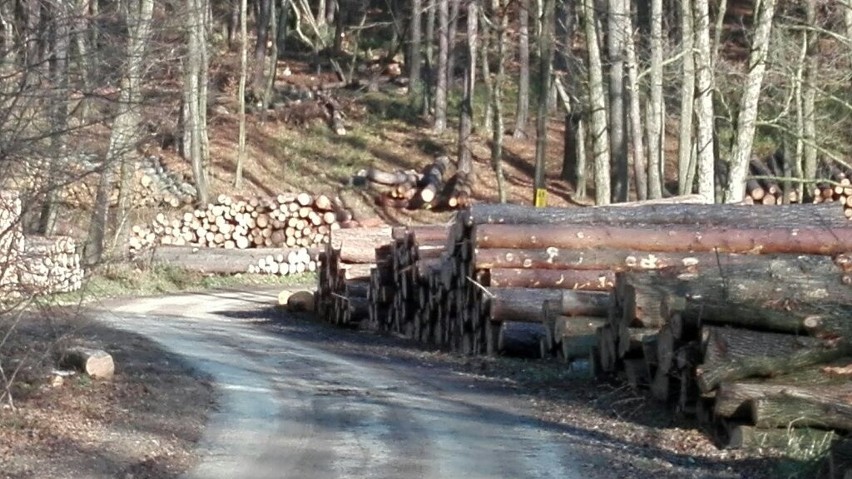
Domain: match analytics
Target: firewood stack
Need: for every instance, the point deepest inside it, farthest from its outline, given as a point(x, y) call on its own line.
point(413, 190)
point(11, 239)
point(49, 265)
point(270, 261)
point(287, 220)
point(837, 187)
point(344, 274)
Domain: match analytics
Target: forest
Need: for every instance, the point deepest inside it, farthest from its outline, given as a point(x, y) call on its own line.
point(656, 98)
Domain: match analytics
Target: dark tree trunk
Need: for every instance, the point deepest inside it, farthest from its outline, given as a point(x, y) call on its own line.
point(441, 74)
point(264, 14)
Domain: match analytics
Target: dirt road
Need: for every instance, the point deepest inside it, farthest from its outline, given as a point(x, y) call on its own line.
point(291, 408)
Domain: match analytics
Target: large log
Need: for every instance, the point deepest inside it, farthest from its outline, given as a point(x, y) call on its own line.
point(520, 339)
point(794, 294)
point(391, 178)
point(671, 238)
point(824, 215)
point(734, 397)
point(731, 354)
point(94, 362)
point(433, 179)
point(525, 304)
point(827, 407)
point(587, 280)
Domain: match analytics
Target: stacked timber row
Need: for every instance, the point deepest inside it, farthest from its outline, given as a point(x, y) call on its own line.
point(754, 344)
point(765, 184)
point(426, 189)
point(287, 220)
point(49, 265)
point(345, 274)
point(399, 285)
point(837, 187)
point(271, 261)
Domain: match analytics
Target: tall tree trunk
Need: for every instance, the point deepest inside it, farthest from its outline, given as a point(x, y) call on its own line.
point(429, 39)
point(705, 146)
point(272, 72)
point(685, 174)
point(414, 54)
point(617, 119)
point(741, 153)
point(635, 112)
point(441, 74)
point(194, 126)
point(465, 165)
point(597, 104)
point(61, 15)
point(499, 20)
point(241, 140)
point(655, 107)
point(124, 129)
point(264, 13)
point(523, 109)
point(452, 35)
point(545, 71)
point(811, 76)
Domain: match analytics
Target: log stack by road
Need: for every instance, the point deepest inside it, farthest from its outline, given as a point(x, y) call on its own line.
point(49, 265)
point(722, 311)
point(283, 221)
point(344, 274)
point(11, 239)
point(431, 188)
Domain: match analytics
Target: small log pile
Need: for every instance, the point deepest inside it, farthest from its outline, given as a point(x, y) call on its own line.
point(344, 274)
point(427, 189)
point(765, 185)
point(284, 221)
point(49, 265)
point(271, 261)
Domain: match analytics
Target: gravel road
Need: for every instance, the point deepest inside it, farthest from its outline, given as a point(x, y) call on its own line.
point(290, 407)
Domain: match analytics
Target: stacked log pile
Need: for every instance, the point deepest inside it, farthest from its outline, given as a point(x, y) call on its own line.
point(49, 265)
point(765, 185)
point(427, 189)
point(287, 220)
point(11, 239)
point(345, 273)
point(271, 261)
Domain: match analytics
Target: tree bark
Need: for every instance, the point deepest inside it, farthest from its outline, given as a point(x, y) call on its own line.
point(598, 123)
point(673, 238)
point(685, 164)
point(263, 13)
point(414, 53)
point(585, 280)
point(122, 138)
point(618, 30)
point(241, 139)
point(441, 74)
point(823, 407)
point(465, 164)
point(522, 109)
point(732, 354)
point(525, 304)
point(750, 437)
point(94, 362)
point(808, 86)
point(705, 117)
point(749, 102)
point(545, 52)
point(825, 215)
point(655, 106)
point(192, 98)
point(640, 164)
point(500, 20)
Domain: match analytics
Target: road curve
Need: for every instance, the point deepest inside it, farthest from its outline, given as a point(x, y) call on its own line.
point(289, 408)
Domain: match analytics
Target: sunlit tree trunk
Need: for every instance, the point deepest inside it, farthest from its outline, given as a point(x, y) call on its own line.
point(241, 141)
point(414, 54)
point(635, 115)
point(704, 116)
point(685, 166)
point(465, 164)
point(545, 71)
point(523, 109)
point(597, 104)
point(741, 153)
point(617, 119)
point(441, 73)
point(655, 106)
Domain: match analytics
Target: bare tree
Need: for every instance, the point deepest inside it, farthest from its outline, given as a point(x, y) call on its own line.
point(442, 73)
point(195, 101)
point(499, 23)
point(705, 147)
point(414, 53)
point(617, 118)
point(241, 152)
point(138, 14)
point(686, 167)
point(545, 72)
point(741, 153)
point(635, 113)
point(523, 109)
point(597, 104)
point(808, 92)
point(655, 106)
point(465, 164)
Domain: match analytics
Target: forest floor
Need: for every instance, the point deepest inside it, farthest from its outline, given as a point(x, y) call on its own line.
point(55, 424)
